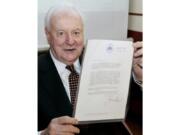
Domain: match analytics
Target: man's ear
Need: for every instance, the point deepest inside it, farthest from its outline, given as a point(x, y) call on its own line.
point(47, 34)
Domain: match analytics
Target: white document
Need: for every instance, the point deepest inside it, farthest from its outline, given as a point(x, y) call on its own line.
point(104, 81)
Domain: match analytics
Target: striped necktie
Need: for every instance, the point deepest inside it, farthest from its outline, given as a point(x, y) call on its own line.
point(73, 82)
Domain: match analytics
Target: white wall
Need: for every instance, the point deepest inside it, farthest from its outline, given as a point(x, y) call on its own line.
point(105, 19)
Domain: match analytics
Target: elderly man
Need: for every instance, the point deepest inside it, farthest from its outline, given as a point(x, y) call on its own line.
point(64, 32)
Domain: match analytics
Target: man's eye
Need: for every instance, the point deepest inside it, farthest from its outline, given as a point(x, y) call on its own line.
point(76, 33)
point(60, 33)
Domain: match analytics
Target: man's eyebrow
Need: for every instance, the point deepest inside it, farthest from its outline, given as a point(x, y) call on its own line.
point(60, 30)
point(78, 29)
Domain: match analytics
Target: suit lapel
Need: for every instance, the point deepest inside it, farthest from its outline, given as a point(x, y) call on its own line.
point(55, 89)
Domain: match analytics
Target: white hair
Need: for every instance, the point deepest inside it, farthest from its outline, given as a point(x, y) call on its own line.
point(58, 8)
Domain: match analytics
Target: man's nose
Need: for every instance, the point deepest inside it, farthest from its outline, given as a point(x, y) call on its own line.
point(69, 39)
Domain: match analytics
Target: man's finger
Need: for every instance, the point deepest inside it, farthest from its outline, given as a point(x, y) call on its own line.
point(138, 53)
point(70, 129)
point(137, 45)
point(137, 60)
point(67, 120)
point(140, 65)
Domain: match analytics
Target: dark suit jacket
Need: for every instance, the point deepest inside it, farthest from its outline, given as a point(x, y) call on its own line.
point(53, 101)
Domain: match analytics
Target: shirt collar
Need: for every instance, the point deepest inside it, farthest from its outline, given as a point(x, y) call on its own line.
point(62, 67)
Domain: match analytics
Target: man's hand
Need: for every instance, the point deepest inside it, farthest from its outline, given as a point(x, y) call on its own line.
point(62, 126)
point(137, 61)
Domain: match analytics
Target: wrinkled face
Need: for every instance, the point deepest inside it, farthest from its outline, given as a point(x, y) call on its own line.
point(65, 36)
